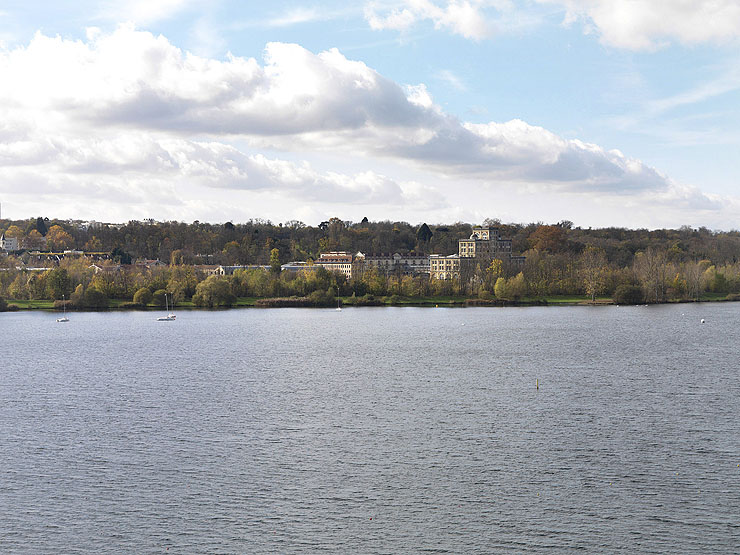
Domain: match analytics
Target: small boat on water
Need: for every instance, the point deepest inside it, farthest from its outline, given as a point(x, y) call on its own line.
point(64, 314)
point(170, 315)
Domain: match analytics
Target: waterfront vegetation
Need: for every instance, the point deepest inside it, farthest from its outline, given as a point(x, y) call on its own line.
point(564, 265)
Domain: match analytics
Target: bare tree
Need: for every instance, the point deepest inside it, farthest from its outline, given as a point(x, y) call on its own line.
point(593, 270)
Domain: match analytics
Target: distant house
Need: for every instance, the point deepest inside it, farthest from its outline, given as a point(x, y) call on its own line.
point(207, 269)
point(229, 270)
point(8, 244)
point(105, 269)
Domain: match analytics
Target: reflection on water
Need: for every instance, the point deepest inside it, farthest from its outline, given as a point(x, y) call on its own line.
point(377, 430)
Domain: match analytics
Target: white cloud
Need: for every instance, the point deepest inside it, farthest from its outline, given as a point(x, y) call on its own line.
point(132, 79)
point(142, 12)
point(452, 79)
point(462, 17)
point(129, 111)
point(294, 17)
point(136, 157)
point(298, 16)
point(649, 25)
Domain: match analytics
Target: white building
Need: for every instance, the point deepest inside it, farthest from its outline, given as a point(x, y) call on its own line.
point(9, 244)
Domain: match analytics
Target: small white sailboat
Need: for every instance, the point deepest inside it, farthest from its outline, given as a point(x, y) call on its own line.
point(64, 308)
point(339, 306)
point(170, 315)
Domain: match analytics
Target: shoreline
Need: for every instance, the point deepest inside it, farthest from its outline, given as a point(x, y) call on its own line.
point(423, 302)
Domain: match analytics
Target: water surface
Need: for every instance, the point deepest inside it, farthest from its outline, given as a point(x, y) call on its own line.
point(372, 430)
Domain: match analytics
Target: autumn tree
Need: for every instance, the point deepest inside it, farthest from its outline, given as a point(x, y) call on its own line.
point(58, 283)
point(232, 252)
point(34, 240)
point(213, 292)
point(93, 245)
point(593, 271)
point(499, 289)
point(58, 239)
point(275, 267)
point(548, 238)
point(494, 271)
point(182, 283)
point(651, 269)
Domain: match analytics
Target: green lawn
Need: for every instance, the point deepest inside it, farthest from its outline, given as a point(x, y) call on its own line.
point(713, 296)
point(28, 305)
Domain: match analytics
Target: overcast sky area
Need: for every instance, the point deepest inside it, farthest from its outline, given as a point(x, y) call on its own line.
point(602, 112)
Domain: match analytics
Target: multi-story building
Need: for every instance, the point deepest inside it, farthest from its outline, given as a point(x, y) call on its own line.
point(444, 267)
point(483, 245)
point(8, 243)
point(411, 263)
point(484, 242)
point(336, 261)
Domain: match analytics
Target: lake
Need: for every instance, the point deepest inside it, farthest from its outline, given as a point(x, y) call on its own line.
point(372, 430)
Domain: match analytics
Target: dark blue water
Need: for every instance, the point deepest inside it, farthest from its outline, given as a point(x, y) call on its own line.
point(376, 430)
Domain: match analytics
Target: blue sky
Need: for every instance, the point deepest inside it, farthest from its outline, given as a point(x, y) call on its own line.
point(603, 112)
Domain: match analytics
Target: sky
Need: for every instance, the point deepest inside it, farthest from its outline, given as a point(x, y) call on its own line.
point(602, 112)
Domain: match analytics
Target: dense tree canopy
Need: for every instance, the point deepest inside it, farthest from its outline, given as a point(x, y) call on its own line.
point(561, 259)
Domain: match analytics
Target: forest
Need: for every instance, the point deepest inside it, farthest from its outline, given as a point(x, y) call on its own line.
point(561, 260)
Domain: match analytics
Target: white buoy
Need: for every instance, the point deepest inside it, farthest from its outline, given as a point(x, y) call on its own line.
point(702, 320)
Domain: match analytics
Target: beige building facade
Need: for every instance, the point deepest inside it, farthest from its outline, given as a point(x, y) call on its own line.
point(336, 261)
point(483, 245)
point(444, 267)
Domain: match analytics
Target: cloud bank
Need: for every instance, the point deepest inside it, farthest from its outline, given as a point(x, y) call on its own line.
point(130, 108)
point(465, 18)
point(650, 25)
point(626, 24)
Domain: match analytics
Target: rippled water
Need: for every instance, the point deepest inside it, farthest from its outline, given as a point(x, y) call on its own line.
point(375, 430)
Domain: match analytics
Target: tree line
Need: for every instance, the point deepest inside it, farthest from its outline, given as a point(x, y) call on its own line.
point(627, 265)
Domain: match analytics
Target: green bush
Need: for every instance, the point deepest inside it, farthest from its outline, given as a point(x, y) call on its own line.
point(214, 291)
point(158, 297)
point(143, 296)
point(629, 294)
point(59, 304)
point(322, 298)
point(95, 299)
